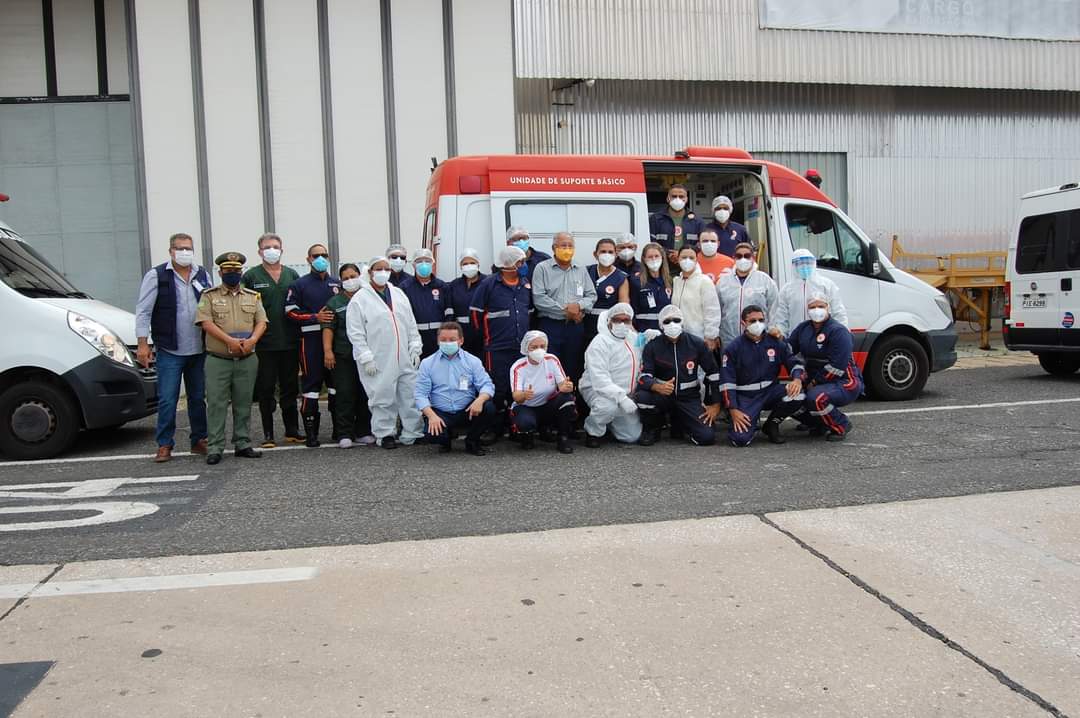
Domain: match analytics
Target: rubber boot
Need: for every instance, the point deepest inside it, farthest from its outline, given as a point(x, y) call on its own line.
point(311, 429)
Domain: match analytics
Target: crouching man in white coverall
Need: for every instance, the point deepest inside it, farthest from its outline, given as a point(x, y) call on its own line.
point(386, 347)
point(612, 369)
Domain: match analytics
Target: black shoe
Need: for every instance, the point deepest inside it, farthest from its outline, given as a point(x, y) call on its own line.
point(527, 441)
point(213, 459)
point(816, 431)
point(389, 442)
point(445, 448)
point(564, 445)
point(475, 449)
point(648, 437)
point(311, 431)
point(593, 442)
point(771, 429)
point(247, 453)
point(488, 438)
point(547, 435)
point(836, 436)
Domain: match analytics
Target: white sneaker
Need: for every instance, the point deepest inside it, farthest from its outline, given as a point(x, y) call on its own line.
point(345, 443)
point(368, 440)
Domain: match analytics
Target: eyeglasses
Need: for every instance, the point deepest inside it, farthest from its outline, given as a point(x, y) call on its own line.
point(324, 254)
point(672, 321)
point(744, 256)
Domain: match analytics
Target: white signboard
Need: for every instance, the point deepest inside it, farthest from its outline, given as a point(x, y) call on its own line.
point(1014, 19)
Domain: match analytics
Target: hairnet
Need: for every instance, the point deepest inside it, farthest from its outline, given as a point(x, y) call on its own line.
point(621, 309)
point(468, 253)
point(396, 248)
point(626, 238)
point(670, 311)
point(509, 256)
point(374, 260)
point(817, 297)
point(802, 253)
point(423, 254)
point(719, 200)
point(516, 229)
point(529, 337)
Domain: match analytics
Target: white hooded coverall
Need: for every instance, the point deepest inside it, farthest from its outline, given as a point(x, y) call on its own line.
point(391, 340)
point(612, 369)
point(758, 289)
point(791, 306)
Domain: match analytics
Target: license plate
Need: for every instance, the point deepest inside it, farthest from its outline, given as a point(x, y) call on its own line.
point(1034, 303)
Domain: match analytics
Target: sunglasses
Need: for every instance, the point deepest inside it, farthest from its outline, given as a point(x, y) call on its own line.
point(672, 321)
point(324, 255)
point(744, 256)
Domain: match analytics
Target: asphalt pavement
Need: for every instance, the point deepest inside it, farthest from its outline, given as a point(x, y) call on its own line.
point(972, 431)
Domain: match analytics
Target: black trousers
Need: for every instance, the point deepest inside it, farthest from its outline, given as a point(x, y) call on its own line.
point(682, 413)
point(278, 369)
point(559, 412)
point(458, 419)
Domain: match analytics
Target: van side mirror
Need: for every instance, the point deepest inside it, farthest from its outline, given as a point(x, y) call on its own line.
point(873, 261)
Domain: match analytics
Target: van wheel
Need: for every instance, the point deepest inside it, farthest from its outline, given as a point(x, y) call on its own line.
point(1059, 363)
point(897, 369)
point(37, 421)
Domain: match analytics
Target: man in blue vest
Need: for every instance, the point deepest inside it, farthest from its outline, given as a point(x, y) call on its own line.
point(168, 298)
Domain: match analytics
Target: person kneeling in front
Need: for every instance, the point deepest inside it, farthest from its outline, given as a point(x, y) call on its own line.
point(543, 394)
point(454, 391)
point(669, 388)
point(749, 380)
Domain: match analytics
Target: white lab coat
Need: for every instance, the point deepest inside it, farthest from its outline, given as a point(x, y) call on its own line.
point(696, 297)
point(759, 288)
point(391, 340)
point(612, 369)
point(791, 306)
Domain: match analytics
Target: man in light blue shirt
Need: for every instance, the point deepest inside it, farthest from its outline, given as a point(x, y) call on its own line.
point(563, 293)
point(453, 390)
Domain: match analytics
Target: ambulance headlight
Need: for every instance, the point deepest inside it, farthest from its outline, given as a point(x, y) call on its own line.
point(944, 306)
point(99, 337)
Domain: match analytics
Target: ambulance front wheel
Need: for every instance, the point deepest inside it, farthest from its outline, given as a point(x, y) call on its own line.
point(1059, 363)
point(897, 368)
point(38, 420)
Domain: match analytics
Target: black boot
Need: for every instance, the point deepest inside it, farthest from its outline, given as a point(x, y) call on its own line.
point(311, 429)
point(526, 441)
point(564, 445)
point(771, 429)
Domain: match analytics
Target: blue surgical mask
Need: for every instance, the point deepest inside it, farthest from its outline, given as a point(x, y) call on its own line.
point(805, 270)
point(523, 271)
point(320, 264)
point(449, 348)
point(423, 269)
point(522, 244)
point(230, 279)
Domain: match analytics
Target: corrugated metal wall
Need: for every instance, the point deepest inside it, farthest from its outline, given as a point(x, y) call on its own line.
point(942, 168)
point(711, 40)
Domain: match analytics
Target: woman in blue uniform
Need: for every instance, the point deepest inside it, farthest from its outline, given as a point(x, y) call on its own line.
point(612, 285)
point(651, 290)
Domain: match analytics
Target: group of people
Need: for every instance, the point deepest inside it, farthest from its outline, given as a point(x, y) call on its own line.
point(686, 335)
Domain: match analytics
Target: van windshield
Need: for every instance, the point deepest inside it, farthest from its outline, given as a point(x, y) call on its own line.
point(27, 272)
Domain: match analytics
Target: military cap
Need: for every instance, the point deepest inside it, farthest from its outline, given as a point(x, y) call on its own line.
point(230, 260)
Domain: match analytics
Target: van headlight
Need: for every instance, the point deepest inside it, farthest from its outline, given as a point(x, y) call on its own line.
point(99, 337)
point(944, 306)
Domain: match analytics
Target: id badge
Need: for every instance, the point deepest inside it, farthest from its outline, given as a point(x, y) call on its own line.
point(651, 300)
point(580, 291)
point(463, 383)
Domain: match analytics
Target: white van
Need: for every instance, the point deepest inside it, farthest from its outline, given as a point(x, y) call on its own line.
point(1041, 303)
point(903, 327)
point(67, 361)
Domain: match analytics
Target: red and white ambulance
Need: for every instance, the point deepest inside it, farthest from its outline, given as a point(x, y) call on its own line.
point(903, 327)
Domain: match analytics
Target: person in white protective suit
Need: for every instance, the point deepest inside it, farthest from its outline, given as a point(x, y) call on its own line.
point(612, 368)
point(791, 305)
point(386, 347)
point(745, 286)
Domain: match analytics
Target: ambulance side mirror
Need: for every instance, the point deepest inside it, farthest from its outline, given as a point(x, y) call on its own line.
point(873, 261)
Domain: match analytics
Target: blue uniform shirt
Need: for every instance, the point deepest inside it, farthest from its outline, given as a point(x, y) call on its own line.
point(748, 367)
point(729, 236)
point(648, 296)
point(826, 352)
point(451, 383)
point(460, 300)
point(501, 312)
point(607, 289)
point(430, 307)
point(662, 230)
point(306, 296)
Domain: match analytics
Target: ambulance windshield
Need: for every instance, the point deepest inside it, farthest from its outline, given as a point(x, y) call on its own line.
point(27, 272)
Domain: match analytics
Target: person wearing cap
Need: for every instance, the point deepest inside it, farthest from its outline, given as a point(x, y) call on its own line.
point(461, 291)
point(669, 390)
point(305, 306)
point(501, 310)
point(351, 413)
point(832, 377)
point(429, 298)
point(233, 319)
point(712, 262)
point(728, 232)
point(750, 380)
point(386, 346)
point(791, 302)
point(813, 177)
point(739, 289)
point(612, 370)
point(279, 348)
point(612, 285)
point(563, 294)
point(627, 262)
point(398, 257)
point(543, 394)
point(673, 228)
point(518, 236)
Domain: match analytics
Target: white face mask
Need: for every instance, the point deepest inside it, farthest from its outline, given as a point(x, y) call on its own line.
point(619, 331)
point(397, 264)
point(184, 257)
point(722, 215)
point(673, 330)
point(744, 265)
point(677, 203)
point(537, 355)
point(756, 329)
point(380, 277)
point(654, 264)
point(606, 259)
point(687, 264)
point(709, 248)
point(271, 255)
point(818, 314)
point(470, 270)
point(351, 284)
point(626, 254)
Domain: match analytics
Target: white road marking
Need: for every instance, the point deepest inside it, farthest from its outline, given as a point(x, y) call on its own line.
point(959, 407)
point(158, 583)
point(107, 512)
point(90, 488)
point(131, 457)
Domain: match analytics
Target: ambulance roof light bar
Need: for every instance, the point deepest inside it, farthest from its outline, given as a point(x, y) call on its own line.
point(4, 197)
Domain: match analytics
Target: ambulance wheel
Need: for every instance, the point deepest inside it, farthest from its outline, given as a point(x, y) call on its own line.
point(1059, 363)
point(897, 368)
point(37, 420)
